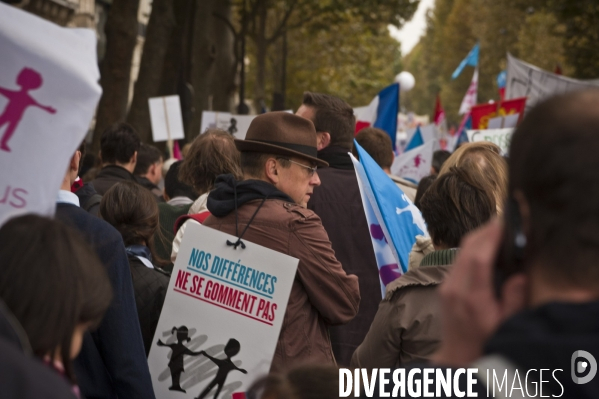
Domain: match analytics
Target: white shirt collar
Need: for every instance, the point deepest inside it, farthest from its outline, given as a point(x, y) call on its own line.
point(67, 197)
point(145, 261)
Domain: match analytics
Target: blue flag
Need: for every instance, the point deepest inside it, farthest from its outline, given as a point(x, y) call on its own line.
point(393, 220)
point(387, 110)
point(471, 59)
point(416, 141)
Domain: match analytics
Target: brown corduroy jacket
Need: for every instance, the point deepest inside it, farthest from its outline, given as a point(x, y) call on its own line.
point(322, 293)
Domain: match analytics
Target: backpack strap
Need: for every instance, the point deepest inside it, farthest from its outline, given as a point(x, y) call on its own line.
point(198, 217)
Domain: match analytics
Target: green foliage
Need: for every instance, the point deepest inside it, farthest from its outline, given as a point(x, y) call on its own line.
point(543, 33)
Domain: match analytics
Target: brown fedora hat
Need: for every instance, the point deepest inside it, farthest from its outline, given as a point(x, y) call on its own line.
point(281, 133)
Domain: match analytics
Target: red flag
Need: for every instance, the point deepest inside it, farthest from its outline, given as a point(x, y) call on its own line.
point(481, 114)
point(513, 106)
point(439, 112)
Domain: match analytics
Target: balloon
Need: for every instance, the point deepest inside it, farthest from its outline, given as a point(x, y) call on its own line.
point(406, 81)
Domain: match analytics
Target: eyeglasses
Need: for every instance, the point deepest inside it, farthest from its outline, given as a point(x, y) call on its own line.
point(311, 169)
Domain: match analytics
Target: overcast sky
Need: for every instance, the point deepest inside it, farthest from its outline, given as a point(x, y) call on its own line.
point(410, 33)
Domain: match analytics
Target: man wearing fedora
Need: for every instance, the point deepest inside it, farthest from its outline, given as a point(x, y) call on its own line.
point(268, 207)
point(339, 204)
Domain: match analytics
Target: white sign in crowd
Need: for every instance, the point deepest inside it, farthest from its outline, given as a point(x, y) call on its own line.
point(501, 137)
point(221, 318)
point(48, 95)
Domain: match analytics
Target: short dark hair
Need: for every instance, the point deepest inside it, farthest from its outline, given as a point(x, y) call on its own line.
point(332, 115)
point(252, 163)
point(147, 155)
point(211, 154)
point(456, 203)
point(118, 143)
point(173, 187)
point(423, 185)
point(553, 162)
point(377, 144)
point(439, 158)
point(310, 381)
point(51, 294)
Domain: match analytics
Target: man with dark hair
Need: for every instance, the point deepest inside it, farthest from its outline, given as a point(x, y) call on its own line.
point(148, 169)
point(112, 362)
point(377, 143)
point(524, 295)
point(439, 158)
point(278, 160)
point(339, 204)
point(118, 149)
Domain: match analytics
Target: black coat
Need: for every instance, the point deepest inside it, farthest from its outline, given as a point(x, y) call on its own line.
point(112, 361)
point(150, 287)
point(338, 203)
point(109, 176)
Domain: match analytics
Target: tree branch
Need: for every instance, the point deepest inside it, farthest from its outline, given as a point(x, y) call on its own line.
point(227, 22)
point(283, 24)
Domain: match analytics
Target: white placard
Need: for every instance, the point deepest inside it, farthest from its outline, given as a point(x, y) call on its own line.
point(501, 137)
point(165, 115)
point(236, 125)
point(495, 123)
point(48, 95)
point(231, 303)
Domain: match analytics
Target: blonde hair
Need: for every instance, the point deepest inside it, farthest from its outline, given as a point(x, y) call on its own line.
point(490, 164)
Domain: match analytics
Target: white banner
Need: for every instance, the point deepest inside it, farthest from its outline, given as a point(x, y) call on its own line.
point(501, 137)
point(236, 125)
point(526, 80)
point(415, 164)
point(165, 115)
point(221, 318)
point(48, 94)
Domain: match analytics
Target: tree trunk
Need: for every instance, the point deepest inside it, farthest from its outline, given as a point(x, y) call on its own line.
point(121, 37)
point(202, 61)
point(223, 84)
point(160, 27)
point(261, 53)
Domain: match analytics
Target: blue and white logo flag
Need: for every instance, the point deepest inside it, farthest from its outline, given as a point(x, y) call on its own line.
point(471, 59)
point(393, 220)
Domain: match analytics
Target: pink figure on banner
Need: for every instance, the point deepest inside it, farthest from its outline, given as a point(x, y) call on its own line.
point(418, 160)
point(18, 101)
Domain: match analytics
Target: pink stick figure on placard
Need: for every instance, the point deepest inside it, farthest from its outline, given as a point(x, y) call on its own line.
point(18, 101)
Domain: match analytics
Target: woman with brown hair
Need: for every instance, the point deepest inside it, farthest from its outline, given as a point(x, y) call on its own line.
point(407, 324)
point(211, 154)
point(55, 287)
point(133, 211)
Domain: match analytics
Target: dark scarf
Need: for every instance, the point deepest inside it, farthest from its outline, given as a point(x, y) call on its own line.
point(337, 157)
point(229, 194)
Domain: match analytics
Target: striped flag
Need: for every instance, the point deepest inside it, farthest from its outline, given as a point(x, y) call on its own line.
point(381, 112)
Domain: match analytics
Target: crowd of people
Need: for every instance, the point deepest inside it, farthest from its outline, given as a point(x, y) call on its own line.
point(507, 268)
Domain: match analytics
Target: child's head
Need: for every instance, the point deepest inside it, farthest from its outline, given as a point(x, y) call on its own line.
point(53, 283)
point(29, 79)
point(182, 333)
point(232, 347)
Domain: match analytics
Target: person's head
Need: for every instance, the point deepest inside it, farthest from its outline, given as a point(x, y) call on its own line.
point(149, 163)
point(457, 202)
point(182, 334)
point(553, 166)
point(232, 347)
point(439, 158)
point(29, 79)
point(211, 154)
point(53, 283)
point(487, 156)
point(423, 185)
point(302, 382)
point(133, 211)
point(377, 144)
point(119, 145)
point(333, 119)
point(173, 187)
point(280, 148)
